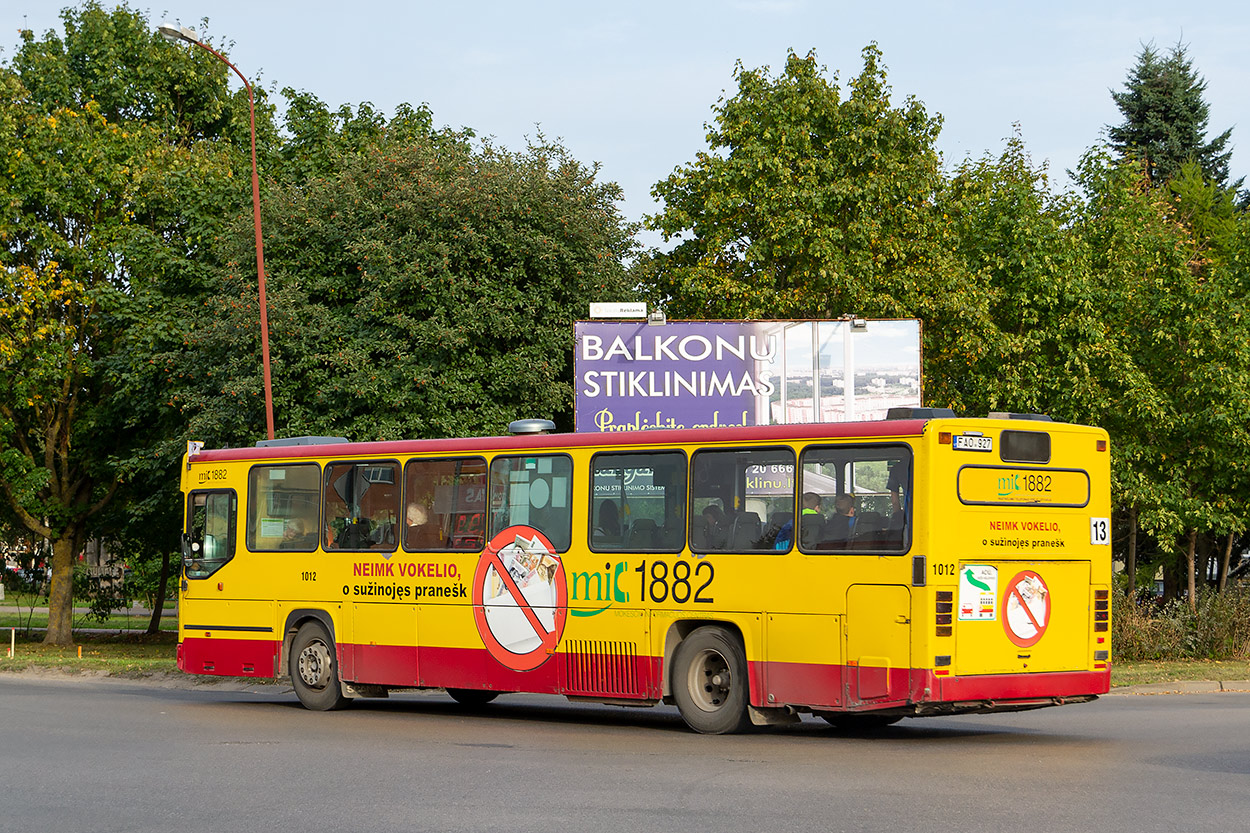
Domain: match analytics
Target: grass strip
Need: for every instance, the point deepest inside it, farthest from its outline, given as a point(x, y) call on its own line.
point(121, 655)
point(1145, 672)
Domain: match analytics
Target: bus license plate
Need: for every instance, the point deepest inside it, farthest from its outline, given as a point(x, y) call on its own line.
point(964, 442)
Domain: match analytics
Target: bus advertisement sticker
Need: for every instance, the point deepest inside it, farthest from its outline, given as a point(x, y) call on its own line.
point(978, 593)
point(520, 598)
point(1026, 609)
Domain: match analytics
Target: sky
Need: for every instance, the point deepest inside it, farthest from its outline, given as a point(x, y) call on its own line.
point(631, 86)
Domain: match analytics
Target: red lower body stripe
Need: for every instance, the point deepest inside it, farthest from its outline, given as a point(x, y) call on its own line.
point(640, 677)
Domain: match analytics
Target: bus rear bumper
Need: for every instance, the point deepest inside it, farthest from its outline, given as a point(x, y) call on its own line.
point(983, 693)
point(991, 706)
point(1036, 685)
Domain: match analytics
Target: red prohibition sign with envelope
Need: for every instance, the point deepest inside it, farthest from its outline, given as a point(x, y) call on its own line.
point(520, 598)
point(1026, 609)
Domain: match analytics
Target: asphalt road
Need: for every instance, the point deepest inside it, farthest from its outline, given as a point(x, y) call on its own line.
point(87, 754)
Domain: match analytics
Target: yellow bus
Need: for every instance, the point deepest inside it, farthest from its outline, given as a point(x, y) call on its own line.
point(919, 565)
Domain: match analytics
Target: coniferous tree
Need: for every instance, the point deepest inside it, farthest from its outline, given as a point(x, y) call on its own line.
point(1165, 119)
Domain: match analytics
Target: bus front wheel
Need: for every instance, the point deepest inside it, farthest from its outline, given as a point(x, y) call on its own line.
point(314, 669)
point(472, 697)
point(710, 682)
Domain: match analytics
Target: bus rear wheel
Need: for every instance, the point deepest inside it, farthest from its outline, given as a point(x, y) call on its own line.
point(314, 669)
point(472, 697)
point(710, 682)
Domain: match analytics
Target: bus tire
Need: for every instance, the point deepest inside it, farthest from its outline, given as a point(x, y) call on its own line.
point(859, 722)
point(472, 697)
point(315, 669)
point(709, 682)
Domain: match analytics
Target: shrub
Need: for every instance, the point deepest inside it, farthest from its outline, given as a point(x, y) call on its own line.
point(1142, 630)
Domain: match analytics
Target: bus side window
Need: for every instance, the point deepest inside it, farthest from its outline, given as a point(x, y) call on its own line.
point(361, 506)
point(283, 505)
point(535, 491)
point(209, 540)
point(445, 504)
point(638, 502)
point(742, 500)
point(865, 492)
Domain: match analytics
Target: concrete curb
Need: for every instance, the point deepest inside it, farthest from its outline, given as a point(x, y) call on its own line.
point(1182, 687)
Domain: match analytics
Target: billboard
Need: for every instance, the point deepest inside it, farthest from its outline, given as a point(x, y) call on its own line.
point(632, 376)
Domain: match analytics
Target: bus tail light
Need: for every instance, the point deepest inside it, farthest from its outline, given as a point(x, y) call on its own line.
point(944, 610)
point(1102, 611)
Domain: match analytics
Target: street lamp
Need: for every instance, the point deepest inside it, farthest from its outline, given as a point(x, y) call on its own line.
point(174, 34)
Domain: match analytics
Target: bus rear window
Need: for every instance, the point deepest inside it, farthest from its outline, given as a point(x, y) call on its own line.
point(1024, 447)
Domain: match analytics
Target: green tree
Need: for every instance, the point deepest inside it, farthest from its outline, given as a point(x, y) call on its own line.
point(1166, 117)
point(319, 140)
point(1179, 329)
point(1047, 350)
point(420, 284)
point(119, 160)
point(810, 204)
point(1165, 124)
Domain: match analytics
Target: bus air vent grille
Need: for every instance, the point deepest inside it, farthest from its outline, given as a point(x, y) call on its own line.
point(601, 668)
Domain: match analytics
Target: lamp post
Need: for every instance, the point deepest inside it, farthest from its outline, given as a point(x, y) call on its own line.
point(174, 34)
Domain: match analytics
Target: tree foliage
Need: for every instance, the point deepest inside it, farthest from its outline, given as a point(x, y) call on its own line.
point(423, 285)
point(423, 282)
point(809, 204)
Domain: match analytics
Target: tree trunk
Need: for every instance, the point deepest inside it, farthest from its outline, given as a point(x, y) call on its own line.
point(1189, 570)
point(1130, 560)
point(1224, 562)
point(1203, 560)
point(61, 596)
point(154, 624)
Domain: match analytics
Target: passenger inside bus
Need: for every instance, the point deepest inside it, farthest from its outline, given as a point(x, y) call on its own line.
point(713, 532)
point(608, 530)
point(295, 536)
point(841, 525)
point(780, 532)
point(811, 521)
point(420, 531)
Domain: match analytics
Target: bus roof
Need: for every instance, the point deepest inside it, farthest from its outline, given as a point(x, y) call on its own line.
point(534, 442)
point(875, 430)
